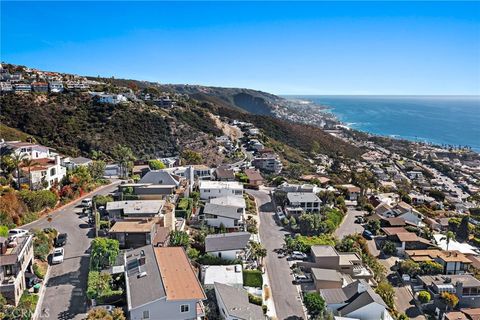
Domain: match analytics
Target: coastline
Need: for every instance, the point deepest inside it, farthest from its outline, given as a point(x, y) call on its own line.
point(326, 118)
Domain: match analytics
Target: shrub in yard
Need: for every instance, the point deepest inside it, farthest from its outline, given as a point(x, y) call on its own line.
point(424, 296)
point(252, 278)
point(99, 287)
point(254, 299)
point(389, 248)
point(42, 244)
point(40, 270)
point(314, 303)
point(385, 290)
point(431, 267)
point(3, 231)
point(104, 253)
point(38, 200)
point(28, 301)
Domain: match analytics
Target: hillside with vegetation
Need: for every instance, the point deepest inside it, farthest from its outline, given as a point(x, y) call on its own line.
point(76, 125)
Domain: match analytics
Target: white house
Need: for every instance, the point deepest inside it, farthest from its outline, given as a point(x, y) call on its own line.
point(356, 300)
point(216, 189)
point(227, 246)
point(29, 150)
point(231, 275)
point(44, 173)
point(216, 215)
point(309, 202)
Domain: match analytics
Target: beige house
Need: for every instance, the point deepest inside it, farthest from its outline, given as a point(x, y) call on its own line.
point(350, 263)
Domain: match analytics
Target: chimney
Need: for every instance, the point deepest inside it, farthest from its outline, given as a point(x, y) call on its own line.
point(57, 159)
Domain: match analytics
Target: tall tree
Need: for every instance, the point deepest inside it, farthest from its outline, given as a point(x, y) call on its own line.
point(124, 156)
point(17, 159)
point(449, 236)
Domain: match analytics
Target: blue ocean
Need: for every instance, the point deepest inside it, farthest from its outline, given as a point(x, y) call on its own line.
point(443, 120)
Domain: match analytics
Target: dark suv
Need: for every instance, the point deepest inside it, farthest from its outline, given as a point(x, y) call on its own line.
point(61, 240)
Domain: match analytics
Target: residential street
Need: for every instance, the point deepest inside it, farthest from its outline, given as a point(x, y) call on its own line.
point(66, 288)
point(348, 225)
point(287, 299)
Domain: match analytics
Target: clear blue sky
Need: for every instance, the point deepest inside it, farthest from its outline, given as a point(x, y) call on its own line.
point(279, 47)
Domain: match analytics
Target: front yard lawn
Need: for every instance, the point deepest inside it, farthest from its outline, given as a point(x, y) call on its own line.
point(252, 278)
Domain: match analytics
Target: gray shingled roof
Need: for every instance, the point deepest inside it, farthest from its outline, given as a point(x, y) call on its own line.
point(221, 210)
point(159, 177)
point(361, 300)
point(226, 241)
point(237, 304)
point(144, 289)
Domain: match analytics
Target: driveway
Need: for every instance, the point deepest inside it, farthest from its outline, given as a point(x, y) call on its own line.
point(286, 296)
point(65, 290)
point(404, 302)
point(348, 225)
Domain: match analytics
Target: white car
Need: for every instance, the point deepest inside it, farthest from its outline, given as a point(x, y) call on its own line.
point(280, 214)
point(87, 202)
point(57, 256)
point(15, 233)
point(297, 255)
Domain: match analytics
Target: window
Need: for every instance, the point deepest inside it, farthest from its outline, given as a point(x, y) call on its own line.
point(52, 172)
point(184, 308)
point(146, 314)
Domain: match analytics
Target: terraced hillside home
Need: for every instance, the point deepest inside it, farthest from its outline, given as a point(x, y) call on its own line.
point(350, 263)
point(217, 189)
point(135, 209)
point(228, 246)
point(217, 215)
point(162, 282)
point(466, 287)
point(43, 173)
point(453, 262)
point(356, 301)
point(306, 201)
point(15, 262)
point(27, 149)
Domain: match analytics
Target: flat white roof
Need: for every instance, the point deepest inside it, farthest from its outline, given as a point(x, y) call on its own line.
point(454, 245)
point(234, 201)
point(221, 185)
point(224, 274)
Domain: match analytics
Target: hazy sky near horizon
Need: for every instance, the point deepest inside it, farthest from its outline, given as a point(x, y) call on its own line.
point(279, 47)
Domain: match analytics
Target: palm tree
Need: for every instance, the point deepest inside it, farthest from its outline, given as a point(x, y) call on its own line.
point(17, 159)
point(449, 236)
point(257, 251)
point(124, 156)
point(29, 163)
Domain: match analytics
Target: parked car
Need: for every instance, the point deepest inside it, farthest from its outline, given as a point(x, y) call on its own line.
point(359, 220)
point(367, 235)
point(302, 278)
point(280, 214)
point(57, 256)
point(87, 202)
point(15, 233)
point(297, 255)
point(107, 307)
point(61, 240)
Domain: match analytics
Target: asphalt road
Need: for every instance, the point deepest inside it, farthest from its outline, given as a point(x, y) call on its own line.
point(348, 225)
point(286, 297)
point(66, 287)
